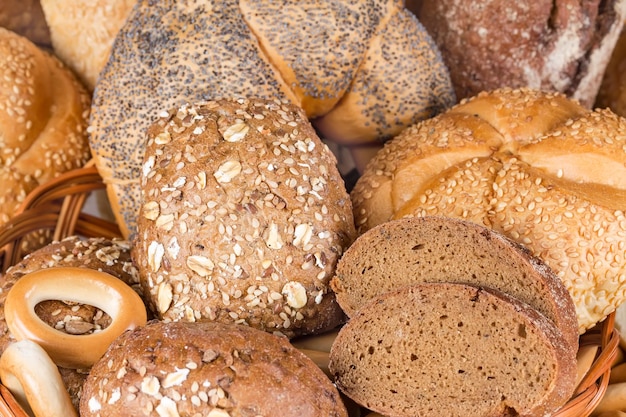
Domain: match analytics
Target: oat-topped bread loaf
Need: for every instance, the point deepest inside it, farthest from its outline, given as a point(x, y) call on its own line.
point(361, 69)
point(243, 218)
point(452, 350)
point(559, 45)
point(534, 166)
point(110, 256)
point(412, 250)
point(43, 120)
point(209, 369)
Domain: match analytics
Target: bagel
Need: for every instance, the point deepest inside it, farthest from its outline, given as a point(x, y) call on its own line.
point(536, 166)
point(43, 120)
point(362, 71)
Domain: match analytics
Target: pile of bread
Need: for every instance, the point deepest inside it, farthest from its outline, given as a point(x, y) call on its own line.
point(485, 233)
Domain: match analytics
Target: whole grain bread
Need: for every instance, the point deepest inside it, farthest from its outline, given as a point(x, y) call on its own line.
point(413, 250)
point(209, 369)
point(452, 350)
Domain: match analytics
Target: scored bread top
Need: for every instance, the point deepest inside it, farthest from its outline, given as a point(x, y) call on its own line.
point(408, 251)
point(243, 217)
point(458, 349)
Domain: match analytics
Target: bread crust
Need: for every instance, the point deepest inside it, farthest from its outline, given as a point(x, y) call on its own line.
point(612, 93)
point(543, 171)
point(157, 63)
point(217, 369)
point(458, 349)
point(243, 217)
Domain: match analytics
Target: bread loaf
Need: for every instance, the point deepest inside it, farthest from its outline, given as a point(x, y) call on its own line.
point(43, 120)
point(110, 256)
point(559, 45)
point(95, 23)
point(407, 251)
point(457, 349)
point(536, 167)
point(208, 369)
point(243, 217)
point(350, 65)
point(25, 18)
point(612, 93)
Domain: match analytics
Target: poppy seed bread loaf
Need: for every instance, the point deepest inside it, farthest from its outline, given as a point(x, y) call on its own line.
point(362, 70)
point(453, 350)
point(243, 217)
point(414, 250)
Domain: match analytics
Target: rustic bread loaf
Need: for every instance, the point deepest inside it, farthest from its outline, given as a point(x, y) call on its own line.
point(94, 23)
point(454, 350)
point(43, 120)
point(535, 166)
point(559, 45)
point(407, 251)
point(25, 18)
point(612, 93)
point(208, 369)
point(110, 256)
point(243, 217)
point(362, 70)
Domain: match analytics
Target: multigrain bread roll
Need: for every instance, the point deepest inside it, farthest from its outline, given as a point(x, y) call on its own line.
point(43, 120)
point(362, 70)
point(110, 256)
point(243, 217)
point(209, 369)
point(559, 45)
point(407, 251)
point(94, 23)
point(536, 167)
point(612, 93)
point(457, 349)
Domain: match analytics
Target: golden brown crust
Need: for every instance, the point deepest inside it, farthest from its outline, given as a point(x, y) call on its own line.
point(455, 348)
point(559, 46)
point(207, 369)
point(560, 191)
point(43, 120)
point(244, 216)
point(82, 32)
point(158, 63)
point(612, 93)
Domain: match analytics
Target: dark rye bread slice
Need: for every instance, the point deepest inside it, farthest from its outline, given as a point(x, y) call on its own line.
point(452, 350)
point(436, 249)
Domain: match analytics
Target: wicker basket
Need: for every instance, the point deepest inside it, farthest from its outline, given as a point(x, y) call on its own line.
point(58, 206)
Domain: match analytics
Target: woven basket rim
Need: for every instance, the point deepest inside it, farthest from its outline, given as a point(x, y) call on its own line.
point(58, 205)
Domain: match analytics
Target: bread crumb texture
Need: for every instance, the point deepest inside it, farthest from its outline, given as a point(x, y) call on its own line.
point(209, 369)
point(535, 166)
point(169, 53)
point(243, 218)
point(453, 350)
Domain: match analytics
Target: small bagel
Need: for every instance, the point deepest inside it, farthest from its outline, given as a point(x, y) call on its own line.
point(34, 380)
point(80, 285)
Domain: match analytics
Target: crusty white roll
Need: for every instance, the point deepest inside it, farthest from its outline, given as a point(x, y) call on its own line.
point(82, 32)
point(362, 70)
point(538, 167)
point(244, 216)
point(559, 45)
point(43, 120)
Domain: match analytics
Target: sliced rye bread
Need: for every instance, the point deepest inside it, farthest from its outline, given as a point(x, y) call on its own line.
point(441, 249)
point(450, 349)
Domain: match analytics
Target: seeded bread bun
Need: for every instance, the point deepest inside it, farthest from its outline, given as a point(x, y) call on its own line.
point(43, 120)
point(208, 369)
point(350, 65)
point(454, 348)
point(561, 46)
point(110, 256)
point(403, 252)
point(95, 23)
point(612, 92)
point(536, 167)
point(243, 218)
